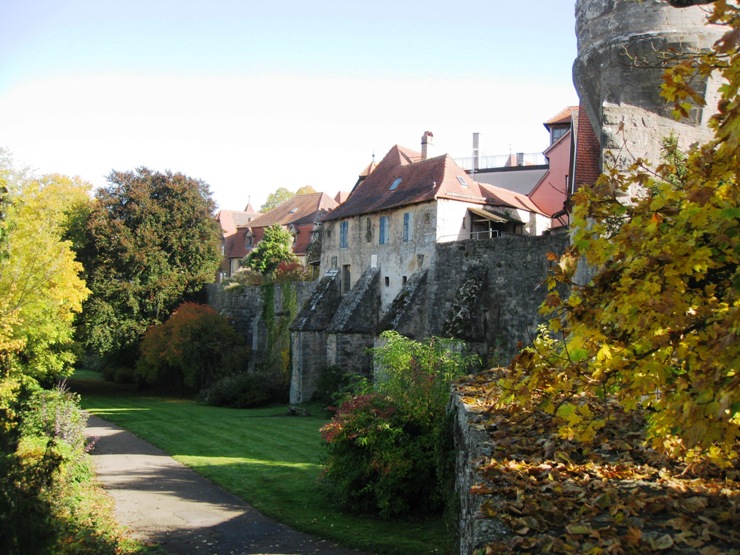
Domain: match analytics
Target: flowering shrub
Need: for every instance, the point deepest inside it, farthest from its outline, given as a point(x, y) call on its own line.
point(384, 443)
point(289, 272)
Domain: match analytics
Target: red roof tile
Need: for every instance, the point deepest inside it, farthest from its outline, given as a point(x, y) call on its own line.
point(299, 209)
point(588, 152)
point(564, 116)
point(420, 181)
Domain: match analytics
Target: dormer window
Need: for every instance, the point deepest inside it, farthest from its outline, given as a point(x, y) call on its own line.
point(396, 183)
point(557, 132)
point(249, 241)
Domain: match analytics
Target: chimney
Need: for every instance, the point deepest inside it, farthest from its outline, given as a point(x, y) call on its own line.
point(476, 155)
point(427, 140)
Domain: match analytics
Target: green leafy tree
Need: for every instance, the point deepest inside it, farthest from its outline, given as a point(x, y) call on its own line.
point(150, 241)
point(275, 248)
point(41, 289)
point(276, 198)
point(657, 327)
point(305, 190)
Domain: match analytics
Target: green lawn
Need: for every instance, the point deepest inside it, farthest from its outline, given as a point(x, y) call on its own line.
point(264, 456)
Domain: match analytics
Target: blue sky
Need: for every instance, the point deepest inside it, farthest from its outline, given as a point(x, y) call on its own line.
point(254, 95)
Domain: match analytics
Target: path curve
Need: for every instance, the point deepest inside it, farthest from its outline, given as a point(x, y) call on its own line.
point(160, 500)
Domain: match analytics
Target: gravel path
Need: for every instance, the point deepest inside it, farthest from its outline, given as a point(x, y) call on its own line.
point(161, 501)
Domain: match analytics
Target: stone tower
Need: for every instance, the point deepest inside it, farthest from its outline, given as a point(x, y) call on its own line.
point(618, 75)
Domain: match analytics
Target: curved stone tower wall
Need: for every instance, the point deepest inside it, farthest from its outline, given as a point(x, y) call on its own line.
point(618, 77)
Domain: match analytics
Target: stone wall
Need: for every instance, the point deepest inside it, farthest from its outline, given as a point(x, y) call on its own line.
point(472, 443)
point(502, 308)
point(244, 305)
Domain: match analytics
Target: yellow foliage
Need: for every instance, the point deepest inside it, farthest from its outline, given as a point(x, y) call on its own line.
point(657, 327)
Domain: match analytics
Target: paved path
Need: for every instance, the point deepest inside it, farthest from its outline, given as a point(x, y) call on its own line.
point(162, 501)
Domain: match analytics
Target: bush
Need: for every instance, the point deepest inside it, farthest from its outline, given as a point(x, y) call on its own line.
point(195, 347)
point(43, 457)
point(385, 443)
point(239, 391)
point(333, 382)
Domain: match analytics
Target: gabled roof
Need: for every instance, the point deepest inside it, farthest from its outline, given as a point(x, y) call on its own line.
point(564, 116)
point(420, 181)
point(300, 209)
point(231, 219)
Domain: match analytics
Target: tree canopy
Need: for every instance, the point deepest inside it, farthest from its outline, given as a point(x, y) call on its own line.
point(275, 248)
point(41, 288)
point(150, 241)
point(282, 194)
point(275, 198)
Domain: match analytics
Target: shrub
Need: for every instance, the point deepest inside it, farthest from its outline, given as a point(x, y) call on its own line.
point(333, 382)
point(239, 391)
point(290, 272)
point(193, 348)
point(384, 444)
point(43, 457)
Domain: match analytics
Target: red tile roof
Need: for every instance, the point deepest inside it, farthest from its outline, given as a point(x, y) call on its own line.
point(231, 219)
point(564, 116)
point(420, 181)
point(300, 209)
point(588, 152)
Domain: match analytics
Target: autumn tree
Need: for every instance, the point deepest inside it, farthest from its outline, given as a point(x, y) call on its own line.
point(656, 329)
point(41, 288)
point(150, 241)
point(275, 248)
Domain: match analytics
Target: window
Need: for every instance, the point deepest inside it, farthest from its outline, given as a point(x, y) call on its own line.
point(346, 278)
point(556, 133)
point(343, 232)
point(396, 183)
point(406, 226)
point(462, 181)
point(405, 280)
point(387, 281)
point(384, 230)
point(250, 241)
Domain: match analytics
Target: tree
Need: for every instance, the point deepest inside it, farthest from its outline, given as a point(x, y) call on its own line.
point(41, 288)
point(194, 348)
point(657, 327)
point(274, 248)
point(305, 190)
point(150, 242)
point(276, 198)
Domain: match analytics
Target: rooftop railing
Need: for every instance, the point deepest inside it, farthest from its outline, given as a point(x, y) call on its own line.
point(503, 161)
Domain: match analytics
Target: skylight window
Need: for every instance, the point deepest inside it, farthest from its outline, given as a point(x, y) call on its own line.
point(396, 183)
point(462, 181)
point(293, 211)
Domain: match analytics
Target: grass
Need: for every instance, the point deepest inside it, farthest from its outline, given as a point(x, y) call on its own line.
point(263, 456)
